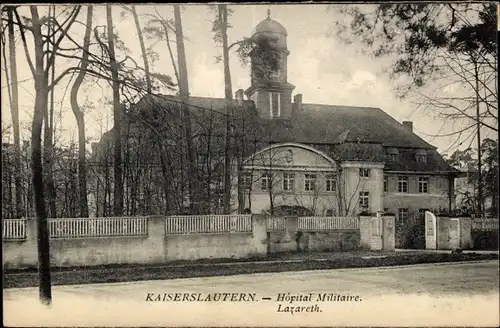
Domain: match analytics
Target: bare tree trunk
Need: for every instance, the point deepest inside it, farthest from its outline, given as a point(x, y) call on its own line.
point(48, 151)
point(107, 187)
point(126, 171)
point(480, 201)
point(14, 109)
point(166, 184)
point(143, 48)
point(41, 87)
point(82, 165)
point(48, 161)
point(229, 96)
point(241, 153)
point(170, 52)
point(209, 167)
point(184, 93)
point(117, 113)
point(271, 201)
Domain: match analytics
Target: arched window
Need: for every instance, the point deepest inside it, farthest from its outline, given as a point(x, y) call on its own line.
point(393, 154)
point(421, 156)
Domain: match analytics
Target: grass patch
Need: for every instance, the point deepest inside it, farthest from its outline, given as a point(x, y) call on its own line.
point(109, 274)
point(218, 261)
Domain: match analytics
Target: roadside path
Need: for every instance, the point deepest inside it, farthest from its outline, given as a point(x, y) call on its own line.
point(452, 294)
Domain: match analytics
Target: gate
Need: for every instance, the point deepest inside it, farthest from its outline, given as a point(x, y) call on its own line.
point(454, 233)
point(376, 234)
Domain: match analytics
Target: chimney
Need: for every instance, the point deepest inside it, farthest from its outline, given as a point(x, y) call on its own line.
point(238, 95)
point(297, 101)
point(408, 125)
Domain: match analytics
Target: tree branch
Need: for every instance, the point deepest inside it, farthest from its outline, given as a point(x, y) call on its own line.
point(25, 44)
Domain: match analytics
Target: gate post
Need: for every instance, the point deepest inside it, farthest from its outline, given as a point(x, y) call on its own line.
point(430, 231)
point(364, 232)
point(466, 233)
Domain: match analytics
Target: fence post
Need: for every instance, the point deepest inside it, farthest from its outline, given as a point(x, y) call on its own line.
point(31, 241)
point(157, 239)
point(259, 235)
point(292, 229)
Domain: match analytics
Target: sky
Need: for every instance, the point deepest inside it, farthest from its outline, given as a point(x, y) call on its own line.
point(323, 69)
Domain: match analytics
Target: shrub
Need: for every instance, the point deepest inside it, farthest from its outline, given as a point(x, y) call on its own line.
point(411, 232)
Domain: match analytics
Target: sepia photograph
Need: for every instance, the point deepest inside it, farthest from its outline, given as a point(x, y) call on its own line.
point(250, 164)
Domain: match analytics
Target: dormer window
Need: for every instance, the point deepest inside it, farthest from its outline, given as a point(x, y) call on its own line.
point(393, 154)
point(275, 104)
point(421, 156)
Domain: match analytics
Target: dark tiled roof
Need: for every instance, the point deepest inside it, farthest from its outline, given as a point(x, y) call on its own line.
point(198, 105)
point(353, 133)
point(350, 151)
point(407, 162)
point(333, 124)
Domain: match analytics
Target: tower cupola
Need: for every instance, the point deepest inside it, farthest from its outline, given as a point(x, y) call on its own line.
point(270, 89)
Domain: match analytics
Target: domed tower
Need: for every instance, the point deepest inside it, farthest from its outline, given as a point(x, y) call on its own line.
point(269, 88)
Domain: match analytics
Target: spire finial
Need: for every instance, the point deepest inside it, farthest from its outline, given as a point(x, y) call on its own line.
point(269, 13)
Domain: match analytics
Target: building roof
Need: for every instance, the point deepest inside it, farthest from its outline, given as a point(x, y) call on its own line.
point(316, 123)
point(352, 133)
point(269, 25)
point(406, 161)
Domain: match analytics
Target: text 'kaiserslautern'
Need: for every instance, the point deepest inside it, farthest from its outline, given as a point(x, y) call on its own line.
point(200, 297)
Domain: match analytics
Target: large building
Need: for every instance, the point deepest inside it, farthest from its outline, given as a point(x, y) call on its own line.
point(327, 159)
point(337, 159)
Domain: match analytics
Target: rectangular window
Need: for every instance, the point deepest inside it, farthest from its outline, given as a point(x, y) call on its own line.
point(403, 213)
point(331, 183)
point(386, 210)
point(364, 173)
point(275, 104)
point(265, 182)
point(403, 184)
point(288, 181)
point(310, 182)
point(423, 185)
point(386, 183)
point(364, 199)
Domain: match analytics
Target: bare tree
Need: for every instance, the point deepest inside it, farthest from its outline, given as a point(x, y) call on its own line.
point(40, 70)
point(48, 134)
point(184, 94)
point(12, 84)
point(223, 25)
point(117, 117)
point(79, 116)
